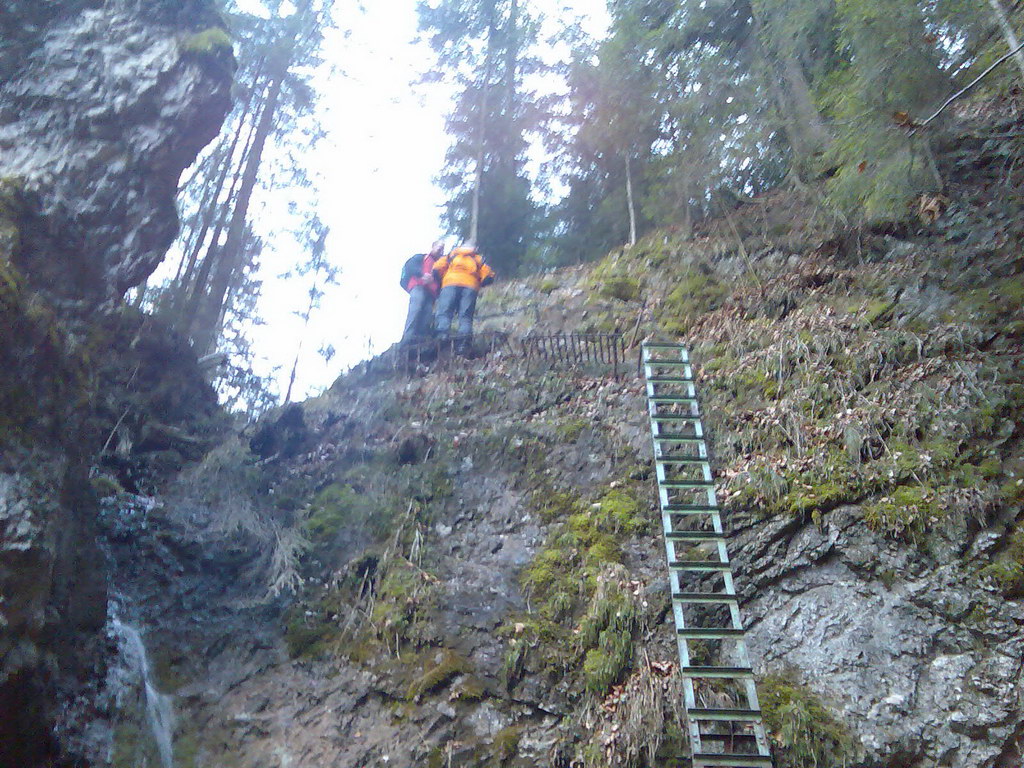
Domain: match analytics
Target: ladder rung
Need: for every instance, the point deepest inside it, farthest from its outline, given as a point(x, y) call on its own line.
point(667, 363)
point(699, 565)
point(689, 509)
point(709, 633)
point(704, 597)
point(683, 485)
point(734, 715)
point(695, 536)
point(702, 759)
point(719, 672)
point(676, 436)
point(734, 737)
point(673, 417)
point(669, 380)
point(680, 440)
point(657, 399)
point(689, 462)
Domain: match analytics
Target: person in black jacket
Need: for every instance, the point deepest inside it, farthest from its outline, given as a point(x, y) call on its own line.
point(422, 286)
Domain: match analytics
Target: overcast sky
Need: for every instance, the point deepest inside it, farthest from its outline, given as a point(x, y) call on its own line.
point(385, 145)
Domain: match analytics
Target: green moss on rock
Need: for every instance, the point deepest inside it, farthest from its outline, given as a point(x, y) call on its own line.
point(1008, 569)
point(506, 744)
point(211, 42)
point(906, 511)
point(439, 669)
point(805, 733)
point(612, 279)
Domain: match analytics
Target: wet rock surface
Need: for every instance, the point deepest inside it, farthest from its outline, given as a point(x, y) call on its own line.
point(99, 113)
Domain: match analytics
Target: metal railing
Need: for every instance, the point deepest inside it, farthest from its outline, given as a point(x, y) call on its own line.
point(573, 350)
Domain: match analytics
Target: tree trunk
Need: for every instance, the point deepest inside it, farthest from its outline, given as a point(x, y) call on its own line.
point(474, 216)
point(185, 310)
point(807, 113)
point(140, 294)
point(298, 348)
point(205, 320)
point(791, 92)
point(208, 207)
point(1008, 34)
point(629, 202)
point(687, 212)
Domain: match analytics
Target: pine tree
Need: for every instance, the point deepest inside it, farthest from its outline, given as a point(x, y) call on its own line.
point(485, 46)
point(219, 247)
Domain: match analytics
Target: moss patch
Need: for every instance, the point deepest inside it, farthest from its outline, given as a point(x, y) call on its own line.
point(696, 294)
point(612, 280)
point(579, 595)
point(506, 744)
point(439, 670)
point(605, 635)
point(1008, 569)
point(804, 731)
point(213, 42)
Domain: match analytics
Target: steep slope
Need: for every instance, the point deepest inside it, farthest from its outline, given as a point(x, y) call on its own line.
point(461, 565)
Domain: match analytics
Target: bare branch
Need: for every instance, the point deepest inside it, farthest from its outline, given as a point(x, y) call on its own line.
point(970, 86)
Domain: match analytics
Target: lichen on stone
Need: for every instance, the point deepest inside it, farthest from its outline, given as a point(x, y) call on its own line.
point(212, 42)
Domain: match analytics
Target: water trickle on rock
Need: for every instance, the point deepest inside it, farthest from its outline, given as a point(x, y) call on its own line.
point(136, 670)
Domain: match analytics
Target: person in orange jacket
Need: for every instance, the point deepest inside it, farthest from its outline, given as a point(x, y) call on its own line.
point(462, 274)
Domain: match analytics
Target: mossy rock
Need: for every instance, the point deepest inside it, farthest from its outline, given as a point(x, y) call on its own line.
point(506, 744)
point(621, 287)
point(105, 486)
point(905, 512)
point(877, 313)
point(803, 730)
point(213, 42)
point(612, 279)
point(338, 507)
point(12, 209)
point(439, 669)
point(696, 294)
point(1008, 569)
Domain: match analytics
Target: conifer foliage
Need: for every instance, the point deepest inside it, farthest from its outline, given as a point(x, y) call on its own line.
point(487, 48)
point(691, 105)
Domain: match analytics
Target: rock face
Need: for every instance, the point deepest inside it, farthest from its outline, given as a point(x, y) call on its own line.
point(463, 565)
point(922, 665)
point(103, 104)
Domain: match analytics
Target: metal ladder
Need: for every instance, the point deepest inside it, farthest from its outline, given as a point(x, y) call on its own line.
point(706, 613)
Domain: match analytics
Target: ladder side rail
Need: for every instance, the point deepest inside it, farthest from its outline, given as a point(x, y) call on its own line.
point(676, 495)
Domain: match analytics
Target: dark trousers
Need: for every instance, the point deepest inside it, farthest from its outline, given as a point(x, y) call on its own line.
point(456, 299)
point(417, 323)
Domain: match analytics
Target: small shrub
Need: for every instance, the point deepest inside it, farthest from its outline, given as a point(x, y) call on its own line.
point(621, 287)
